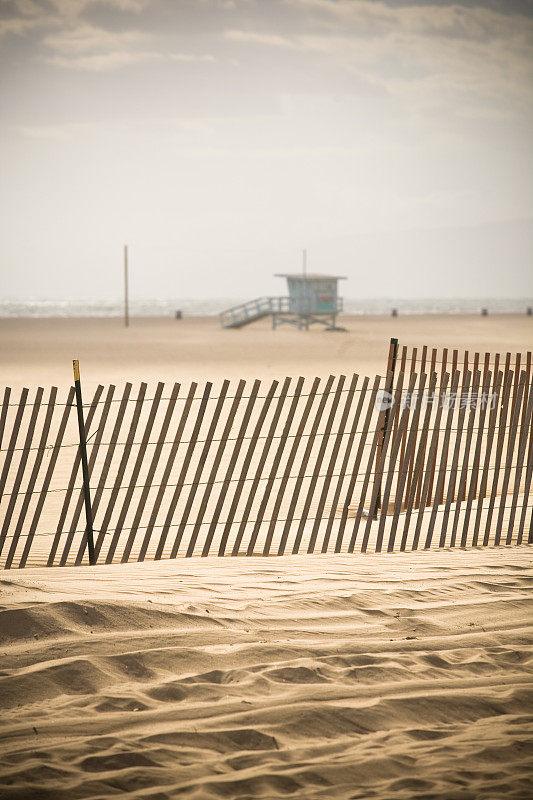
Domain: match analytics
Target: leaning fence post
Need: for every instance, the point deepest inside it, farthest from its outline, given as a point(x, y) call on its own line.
point(84, 466)
point(391, 365)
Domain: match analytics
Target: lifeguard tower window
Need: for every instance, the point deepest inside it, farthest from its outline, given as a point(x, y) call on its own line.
point(312, 299)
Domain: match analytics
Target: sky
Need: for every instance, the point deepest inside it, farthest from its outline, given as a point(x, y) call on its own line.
point(220, 137)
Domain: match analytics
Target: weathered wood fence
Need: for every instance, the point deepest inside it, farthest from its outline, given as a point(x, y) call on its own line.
point(437, 453)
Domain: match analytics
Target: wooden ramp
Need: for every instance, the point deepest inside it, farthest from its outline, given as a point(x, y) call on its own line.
point(245, 313)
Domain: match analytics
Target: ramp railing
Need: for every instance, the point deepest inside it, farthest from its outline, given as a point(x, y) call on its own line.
point(242, 314)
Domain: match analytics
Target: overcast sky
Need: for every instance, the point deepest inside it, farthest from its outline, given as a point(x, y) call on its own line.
point(219, 137)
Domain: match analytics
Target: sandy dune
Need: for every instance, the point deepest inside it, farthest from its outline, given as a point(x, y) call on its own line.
point(399, 676)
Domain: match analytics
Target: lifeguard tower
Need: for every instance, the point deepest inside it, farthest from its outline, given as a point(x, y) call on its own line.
point(313, 299)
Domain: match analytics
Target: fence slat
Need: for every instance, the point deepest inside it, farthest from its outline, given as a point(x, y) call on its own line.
point(433, 362)
point(515, 415)
point(80, 502)
point(425, 473)
point(371, 407)
point(4, 412)
point(518, 360)
point(524, 430)
point(528, 376)
point(21, 466)
point(441, 477)
point(246, 463)
point(486, 364)
point(230, 470)
point(50, 406)
point(48, 477)
point(484, 400)
point(487, 377)
point(274, 470)
point(451, 494)
point(167, 471)
point(73, 475)
point(92, 461)
point(303, 467)
point(507, 368)
point(151, 472)
point(450, 381)
point(107, 465)
point(401, 369)
point(528, 373)
point(404, 440)
point(397, 438)
point(126, 503)
point(130, 438)
point(402, 473)
point(491, 428)
point(411, 465)
point(444, 364)
point(421, 474)
point(381, 443)
point(455, 358)
point(495, 369)
point(259, 470)
point(332, 461)
point(184, 517)
point(183, 472)
point(288, 466)
point(214, 470)
point(507, 387)
point(527, 488)
point(465, 369)
point(472, 399)
point(444, 361)
point(317, 467)
point(13, 440)
point(346, 458)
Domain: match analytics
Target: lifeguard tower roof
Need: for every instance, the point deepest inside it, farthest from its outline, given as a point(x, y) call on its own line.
point(310, 276)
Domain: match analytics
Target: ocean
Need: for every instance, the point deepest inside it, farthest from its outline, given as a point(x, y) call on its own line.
point(212, 307)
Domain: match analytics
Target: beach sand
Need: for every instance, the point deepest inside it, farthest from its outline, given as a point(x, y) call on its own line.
point(400, 676)
point(40, 351)
point(405, 675)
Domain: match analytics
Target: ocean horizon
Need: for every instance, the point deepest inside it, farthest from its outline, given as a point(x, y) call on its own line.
point(212, 307)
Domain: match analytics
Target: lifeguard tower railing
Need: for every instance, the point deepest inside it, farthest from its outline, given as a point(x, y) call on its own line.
point(244, 313)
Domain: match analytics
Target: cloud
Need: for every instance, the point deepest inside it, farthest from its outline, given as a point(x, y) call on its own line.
point(18, 17)
point(86, 47)
point(99, 62)
point(191, 58)
point(470, 57)
point(473, 60)
point(266, 39)
point(87, 40)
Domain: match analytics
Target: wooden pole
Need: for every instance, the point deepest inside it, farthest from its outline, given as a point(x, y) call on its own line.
point(84, 466)
point(126, 289)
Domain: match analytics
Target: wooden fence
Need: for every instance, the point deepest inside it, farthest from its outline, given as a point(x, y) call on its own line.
point(437, 453)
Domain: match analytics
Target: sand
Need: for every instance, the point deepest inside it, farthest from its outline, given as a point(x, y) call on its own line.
point(307, 677)
point(40, 351)
point(382, 676)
